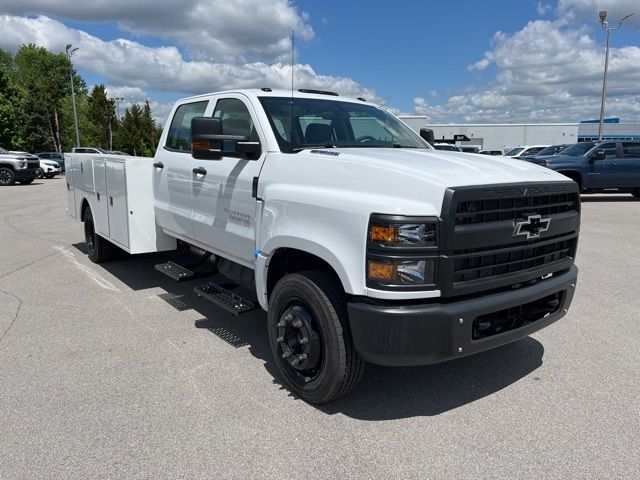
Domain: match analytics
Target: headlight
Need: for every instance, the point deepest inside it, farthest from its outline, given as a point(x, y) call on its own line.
point(402, 252)
point(22, 164)
point(403, 232)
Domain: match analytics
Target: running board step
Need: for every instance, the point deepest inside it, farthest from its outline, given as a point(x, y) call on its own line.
point(229, 301)
point(175, 271)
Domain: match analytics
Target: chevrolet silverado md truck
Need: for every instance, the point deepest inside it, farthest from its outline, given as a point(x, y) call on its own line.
point(362, 242)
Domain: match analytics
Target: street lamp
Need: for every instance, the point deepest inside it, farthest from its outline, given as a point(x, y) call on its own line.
point(73, 93)
point(605, 26)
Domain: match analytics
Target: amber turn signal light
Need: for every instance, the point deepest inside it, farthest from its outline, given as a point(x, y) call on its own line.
point(382, 271)
point(384, 234)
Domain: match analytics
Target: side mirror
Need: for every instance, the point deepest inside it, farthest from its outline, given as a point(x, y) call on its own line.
point(205, 141)
point(599, 155)
point(427, 134)
point(208, 141)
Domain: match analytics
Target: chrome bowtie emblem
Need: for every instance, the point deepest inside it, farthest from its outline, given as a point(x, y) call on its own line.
point(531, 227)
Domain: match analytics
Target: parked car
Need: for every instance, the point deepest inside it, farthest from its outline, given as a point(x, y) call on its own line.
point(446, 146)
point(491, 152)
point(545, 152)
point(469, 148)
point(55, 156)
point(49, 168)
point(17, 167)
point(524, 151)
point(362, 246)
point(117, 152)
point(600, 166)
point(95, 150)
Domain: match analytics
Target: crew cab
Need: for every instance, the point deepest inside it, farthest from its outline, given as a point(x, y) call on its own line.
point(17, 167)
point(360, 241)
point(600, 166)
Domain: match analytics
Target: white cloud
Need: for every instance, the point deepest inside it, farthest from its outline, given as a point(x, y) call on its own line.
point(547, 71)
point(587, 11)
point(125, 62)
point(214, 30)
point(543, 8)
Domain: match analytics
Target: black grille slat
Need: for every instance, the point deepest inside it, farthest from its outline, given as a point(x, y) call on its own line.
point(470, 212)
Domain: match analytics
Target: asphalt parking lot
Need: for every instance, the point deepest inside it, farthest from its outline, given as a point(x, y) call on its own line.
point(116, 371)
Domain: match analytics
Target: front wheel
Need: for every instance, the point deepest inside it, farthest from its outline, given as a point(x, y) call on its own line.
point(7, 176)
point(310, 338)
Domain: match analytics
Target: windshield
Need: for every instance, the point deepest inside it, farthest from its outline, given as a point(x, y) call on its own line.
point(552, 150)
point(578, 149)
point(513, 151)
point(328, 123)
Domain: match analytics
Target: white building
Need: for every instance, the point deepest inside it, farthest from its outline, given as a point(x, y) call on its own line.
point(498, 136)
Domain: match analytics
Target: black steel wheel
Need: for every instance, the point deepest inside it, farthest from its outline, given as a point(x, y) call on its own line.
point(99, 249)
point(310, 338)
point(7, 177)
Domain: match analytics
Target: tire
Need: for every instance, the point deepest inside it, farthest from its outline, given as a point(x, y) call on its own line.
point(636, 193)
point(40, 173)
point(26, 181)
point(49, 176)
point(99, 249)
point(312, 305)
point(7, 177)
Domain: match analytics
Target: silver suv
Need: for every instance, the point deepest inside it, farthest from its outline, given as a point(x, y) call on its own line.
point(17, 167)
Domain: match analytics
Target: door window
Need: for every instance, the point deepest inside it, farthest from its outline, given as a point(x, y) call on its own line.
point(179, 136)
point(631, 150)
point(609, 150)
point(235, 119)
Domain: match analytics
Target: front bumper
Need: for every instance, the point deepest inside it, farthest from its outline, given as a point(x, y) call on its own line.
point(404, 335)
point(26, 173)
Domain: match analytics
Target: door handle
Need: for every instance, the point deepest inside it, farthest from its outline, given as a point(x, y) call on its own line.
point(111, 201)
point(158, 165)
point(199, 171)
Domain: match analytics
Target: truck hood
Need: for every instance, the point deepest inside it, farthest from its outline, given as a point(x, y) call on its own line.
point(387, 180)
point(445, 168)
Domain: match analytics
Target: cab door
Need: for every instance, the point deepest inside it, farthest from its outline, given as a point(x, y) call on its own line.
point(601, 173)
point(224, 209)
point(628, 169)
point(172, 174)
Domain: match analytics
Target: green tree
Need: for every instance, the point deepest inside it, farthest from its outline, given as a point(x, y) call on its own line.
point(101, 113)
point(12, 118)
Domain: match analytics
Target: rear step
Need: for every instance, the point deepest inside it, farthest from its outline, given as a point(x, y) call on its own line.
point(229, 301)
point(175, 271)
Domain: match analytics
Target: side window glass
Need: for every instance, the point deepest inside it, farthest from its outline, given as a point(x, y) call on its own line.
point(179, 136)
point(609, 150)
point(631, 150)
point(235, 118)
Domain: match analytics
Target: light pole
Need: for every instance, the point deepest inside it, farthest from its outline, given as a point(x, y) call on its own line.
point(73, 93)
point(607, 28)
point(117, 101)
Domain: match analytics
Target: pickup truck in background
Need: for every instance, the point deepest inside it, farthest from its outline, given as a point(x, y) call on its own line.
point(599, 167)
point(362, 242)
point(17, 167)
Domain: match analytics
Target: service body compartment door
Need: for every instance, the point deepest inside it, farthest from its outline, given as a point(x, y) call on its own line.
point(101, 209)
point(70, 175)
point(117, 203)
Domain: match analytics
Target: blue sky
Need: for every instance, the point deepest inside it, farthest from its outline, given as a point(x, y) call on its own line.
point(415, 57)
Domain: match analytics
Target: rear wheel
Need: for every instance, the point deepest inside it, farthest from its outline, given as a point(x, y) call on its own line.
point(40, 173)
point(636, 193)
point(310, 338)
point(99, 249)
point(26, 181)
point(7, 177)
point(50, 176)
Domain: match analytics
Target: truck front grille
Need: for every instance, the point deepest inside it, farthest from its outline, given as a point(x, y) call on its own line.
point(481, 248)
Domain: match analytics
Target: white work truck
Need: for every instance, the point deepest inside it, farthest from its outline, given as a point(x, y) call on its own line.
point(362, 242)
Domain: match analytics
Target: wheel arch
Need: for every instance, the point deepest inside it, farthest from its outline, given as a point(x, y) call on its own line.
point(574, 175)
point(84, 205)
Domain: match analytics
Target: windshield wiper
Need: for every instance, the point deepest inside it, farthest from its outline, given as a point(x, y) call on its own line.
point(307, 147)
point(397, 145)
